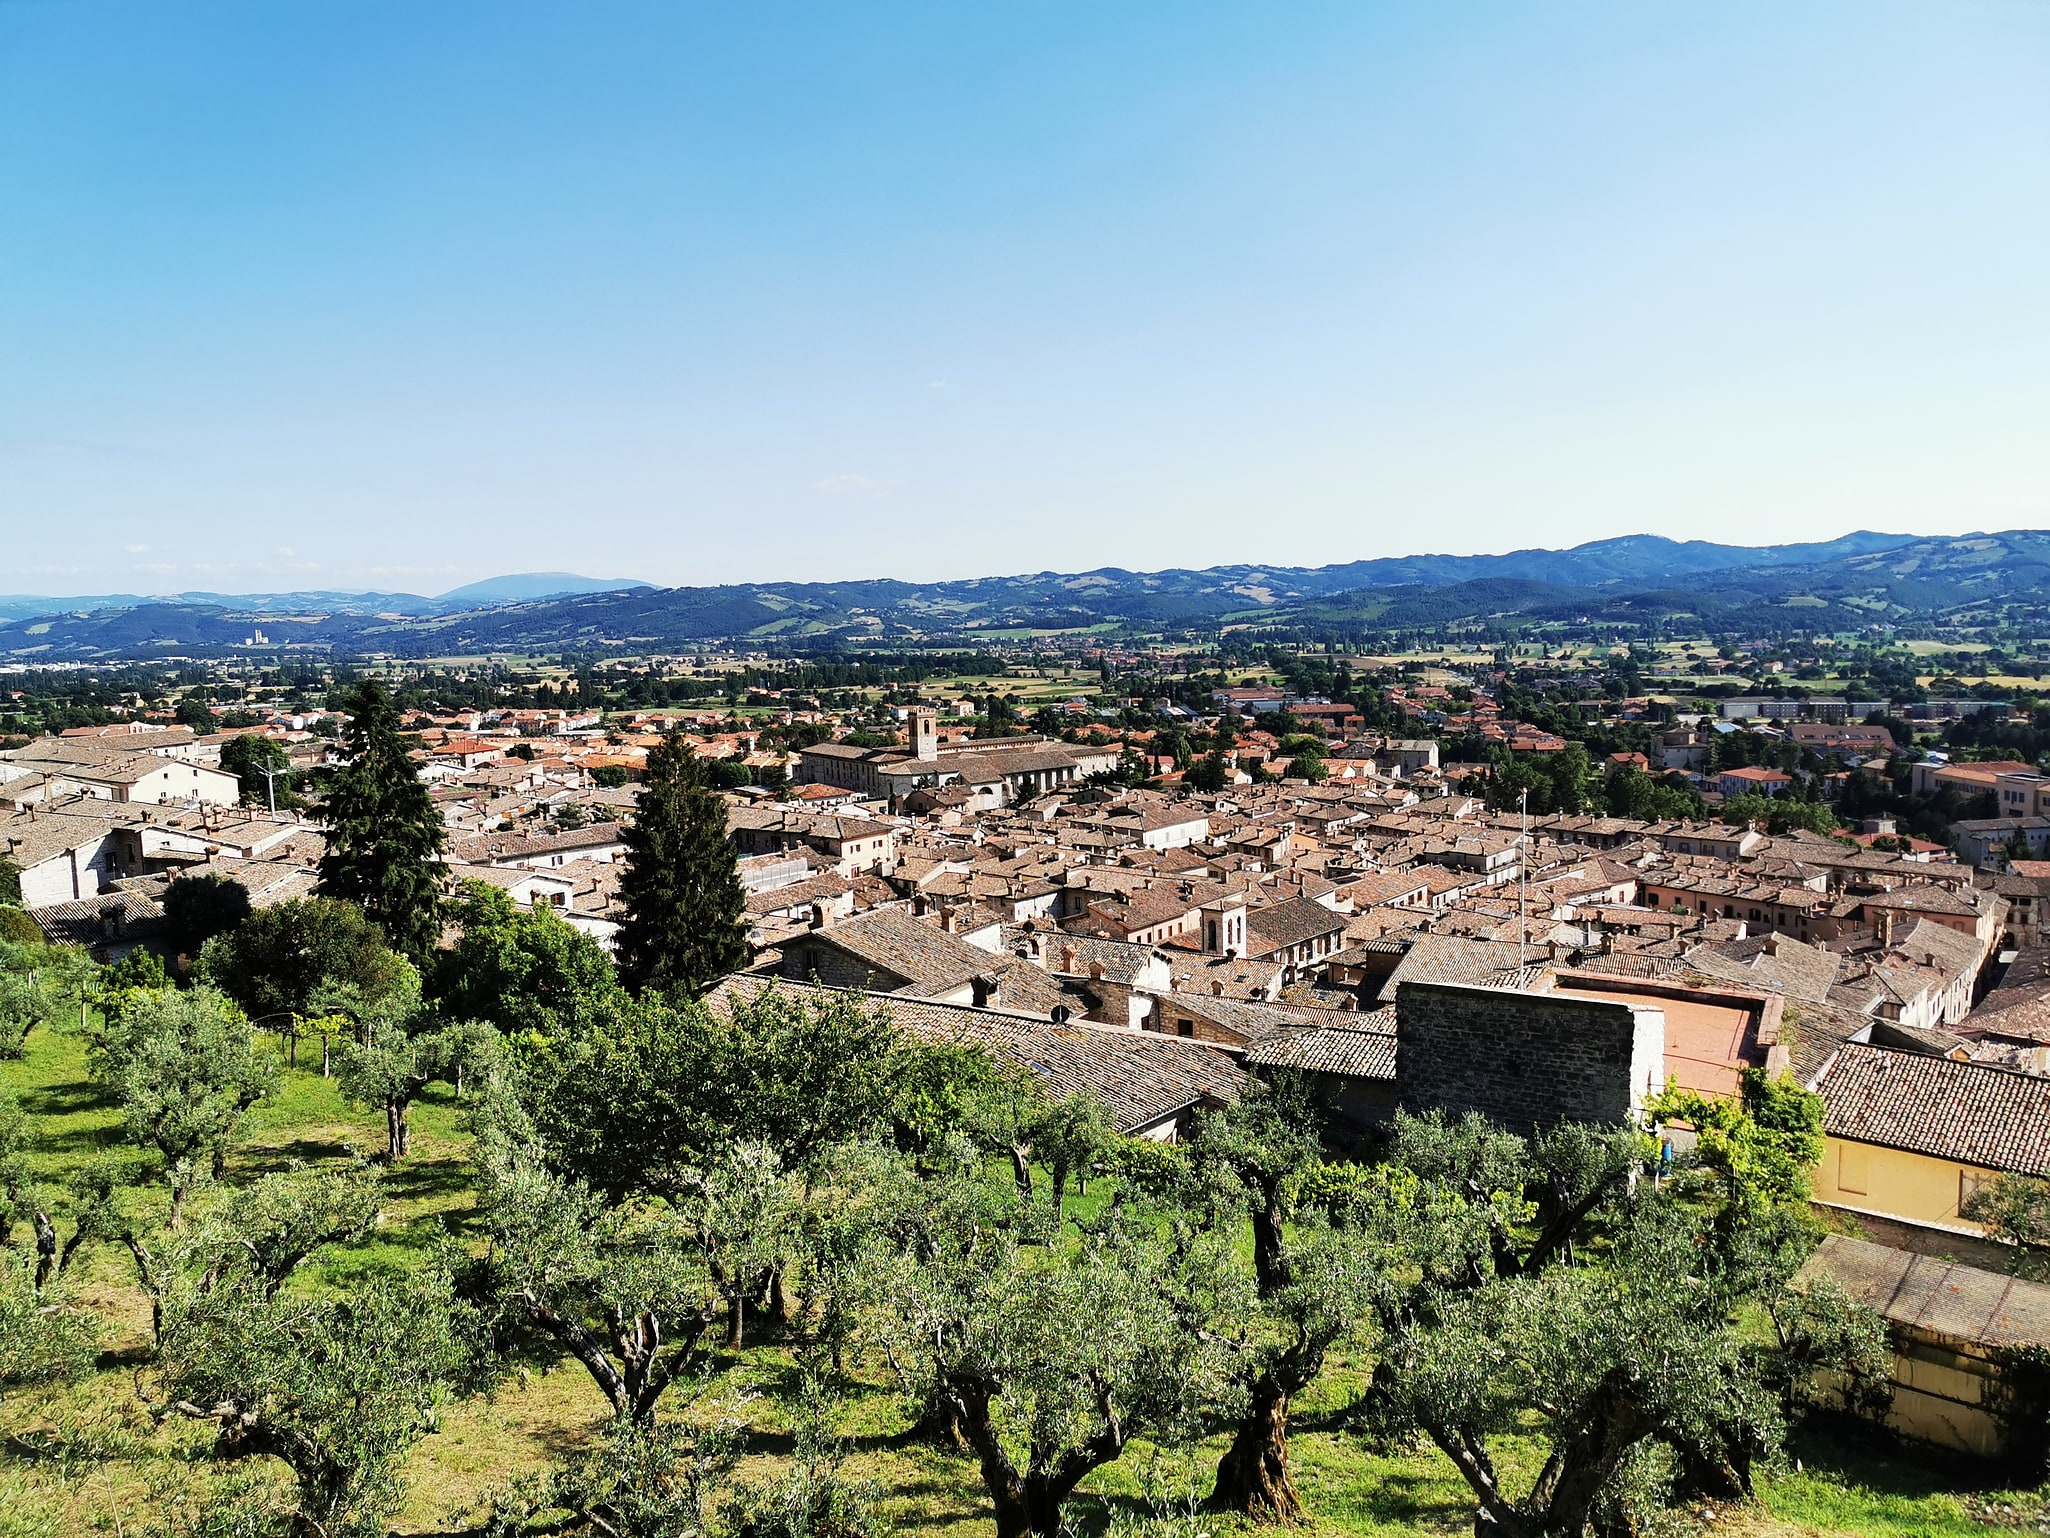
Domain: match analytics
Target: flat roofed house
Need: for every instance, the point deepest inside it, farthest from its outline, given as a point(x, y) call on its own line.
point(1956, 1333)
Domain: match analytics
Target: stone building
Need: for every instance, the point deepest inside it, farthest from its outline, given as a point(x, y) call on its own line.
point(1526, 1060)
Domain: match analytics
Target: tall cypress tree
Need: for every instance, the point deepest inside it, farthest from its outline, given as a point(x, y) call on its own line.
point(685, 923)
point(384, 836)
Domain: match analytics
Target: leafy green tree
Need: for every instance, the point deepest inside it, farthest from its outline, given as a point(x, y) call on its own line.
point(609, 776)
point(1209, 773)
point(1308, 760)
point(648, 1090)
point(1636, 795)
point(17, 1196)
point(1503, 1324)
point(337, 1387)
point(740, 1213)
point(1762, 1150)
point(384, 834)
point(1780, 814)
point(1570, 772)
point(17, 928)
point(2015, 1209)
point(272, 1226)
point(1601, 1359)
point(638, 1479)
point(685, 924)
point(523, 972)
point(402, 1046)
point(814, 1497)
point(186, 1069)
point(40, 985)
point(948, 1098)
point(1048, 1362)
point(1314, 1287)
point(195, 712)
point(88, 1203)
point(247, 757)
point(1325, 1283)
point(196, 908)
point(622, 1286)
point(46, 1335)
point(279, 957)
point(1070, 1136)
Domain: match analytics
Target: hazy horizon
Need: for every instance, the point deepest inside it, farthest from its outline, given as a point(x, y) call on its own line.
point(885, 575)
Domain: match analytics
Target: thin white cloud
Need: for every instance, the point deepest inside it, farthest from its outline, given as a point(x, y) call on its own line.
point(136, 549)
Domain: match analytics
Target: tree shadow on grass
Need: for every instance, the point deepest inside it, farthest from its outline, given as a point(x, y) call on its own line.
point(1858, 1453)
point(69, 1099)
point(273, 1158)
point(418, 1179)
point(1397, 1499)
point(78, 1140)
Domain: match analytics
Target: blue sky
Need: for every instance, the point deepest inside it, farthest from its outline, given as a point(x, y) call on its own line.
point(402, 295)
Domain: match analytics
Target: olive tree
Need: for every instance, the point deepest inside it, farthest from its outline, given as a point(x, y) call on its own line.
point(338, 1388)
point(186, 1068)
point(45, 1334)
point(622, 1285)
point(40, 985)
point(1049, 1361)
point(1601, 1358)
point(636, 1094)
point(1510, 1319)
point(739, 1213)
point(401, 1046)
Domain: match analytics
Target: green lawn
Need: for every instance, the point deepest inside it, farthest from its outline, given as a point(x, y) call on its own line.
point(92, 1458)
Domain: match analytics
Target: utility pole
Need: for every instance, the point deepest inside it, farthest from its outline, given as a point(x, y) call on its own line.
point(1522, 873)
point(270, 786)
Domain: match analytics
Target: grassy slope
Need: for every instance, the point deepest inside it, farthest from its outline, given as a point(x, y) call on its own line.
point(115, 1466)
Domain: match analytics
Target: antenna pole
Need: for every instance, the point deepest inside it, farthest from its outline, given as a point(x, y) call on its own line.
point(1522, 875)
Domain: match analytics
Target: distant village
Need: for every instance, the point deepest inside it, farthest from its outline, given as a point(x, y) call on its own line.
point(1258, 879)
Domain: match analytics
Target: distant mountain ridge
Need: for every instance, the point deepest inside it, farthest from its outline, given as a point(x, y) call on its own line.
point(1845, 584)
point(492, 590)
point(530, 585)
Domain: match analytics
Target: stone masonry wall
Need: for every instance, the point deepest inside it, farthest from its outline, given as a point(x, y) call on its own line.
point(1525, 1060)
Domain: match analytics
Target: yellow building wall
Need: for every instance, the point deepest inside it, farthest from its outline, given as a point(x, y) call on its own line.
point(1906, 1185)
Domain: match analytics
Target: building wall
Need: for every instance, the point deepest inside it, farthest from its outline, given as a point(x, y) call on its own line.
point(79, 872)
point(1914, 1186)
point(185, 782)
point(1525, 1060)
point(1949, 1394)
point(1177, 835)
point(805, 961)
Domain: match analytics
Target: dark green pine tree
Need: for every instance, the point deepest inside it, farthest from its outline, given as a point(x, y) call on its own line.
point(685, 924)
point(384, 836)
